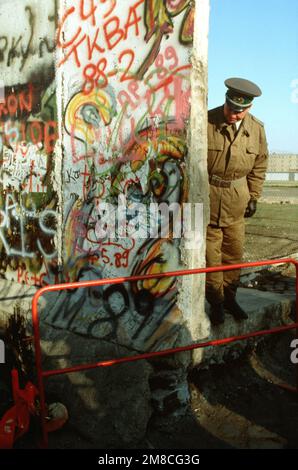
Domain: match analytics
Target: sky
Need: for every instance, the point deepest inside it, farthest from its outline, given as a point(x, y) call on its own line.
point(258, 40)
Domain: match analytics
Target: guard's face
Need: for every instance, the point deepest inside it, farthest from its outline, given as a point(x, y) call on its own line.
point(232, 116)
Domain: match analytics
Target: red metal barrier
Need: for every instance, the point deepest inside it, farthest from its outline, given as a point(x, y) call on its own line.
point(100, 282)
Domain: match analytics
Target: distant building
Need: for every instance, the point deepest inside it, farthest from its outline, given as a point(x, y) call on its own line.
point(285, 163)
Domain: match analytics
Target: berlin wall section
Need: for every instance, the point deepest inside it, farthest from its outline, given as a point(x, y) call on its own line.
point(28, 121)
point(95, 112)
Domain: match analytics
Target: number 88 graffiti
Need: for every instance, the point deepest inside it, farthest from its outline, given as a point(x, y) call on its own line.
point(95, 76)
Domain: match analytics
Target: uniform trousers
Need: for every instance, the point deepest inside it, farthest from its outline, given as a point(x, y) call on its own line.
point(224, 246)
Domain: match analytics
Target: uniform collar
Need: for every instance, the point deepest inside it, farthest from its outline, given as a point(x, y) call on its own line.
point(245, 126)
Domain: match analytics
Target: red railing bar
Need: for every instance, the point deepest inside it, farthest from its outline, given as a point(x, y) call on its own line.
point(182, 272)
point(119, 280)
point(165, 352)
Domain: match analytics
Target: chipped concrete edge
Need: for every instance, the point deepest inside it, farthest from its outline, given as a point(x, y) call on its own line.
point(192, 288)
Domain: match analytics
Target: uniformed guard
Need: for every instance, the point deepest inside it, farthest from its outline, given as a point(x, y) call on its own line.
point(237, 162)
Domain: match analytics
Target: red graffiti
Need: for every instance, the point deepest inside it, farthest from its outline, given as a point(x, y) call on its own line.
point(35, 132)
point(95, 75)
point(106, 253)
point(127, 52)
point(14, 103)
point(116, 259)
point(107, 35)
point(166, 94)
point(170, 88)
point(33, 279)
point(91, 13)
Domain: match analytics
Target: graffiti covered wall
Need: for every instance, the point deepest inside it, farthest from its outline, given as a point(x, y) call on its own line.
point(28, 131)
point(125, 69)
point(95, 116)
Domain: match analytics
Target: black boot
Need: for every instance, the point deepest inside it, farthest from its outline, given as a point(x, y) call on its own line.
point(217, 314)
point(234, 309)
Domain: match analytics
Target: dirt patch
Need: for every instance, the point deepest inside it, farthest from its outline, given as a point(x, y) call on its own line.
point(238, 405)
point(272, 232)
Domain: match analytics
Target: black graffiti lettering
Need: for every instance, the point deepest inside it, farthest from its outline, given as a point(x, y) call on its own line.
point(15, 48)
point(26, 53)
point(54, 17)
point(46, 42)
point(122, 305)
point(12, 53)
point(3, 49)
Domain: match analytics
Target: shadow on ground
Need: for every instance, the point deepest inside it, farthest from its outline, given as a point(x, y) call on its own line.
point(236, 405)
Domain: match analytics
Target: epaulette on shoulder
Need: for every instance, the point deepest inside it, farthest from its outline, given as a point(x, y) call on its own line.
point(214, 115)
point(257, 120)
point(215, 111)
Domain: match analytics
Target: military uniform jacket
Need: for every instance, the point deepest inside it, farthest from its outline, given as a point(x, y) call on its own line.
point(237, 162)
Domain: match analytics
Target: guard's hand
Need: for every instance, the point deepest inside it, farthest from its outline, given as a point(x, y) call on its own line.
point(251, 208)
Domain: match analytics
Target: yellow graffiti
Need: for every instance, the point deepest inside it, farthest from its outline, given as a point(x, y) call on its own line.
point(85, 113)
point(159, 259)
point(158, 149)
